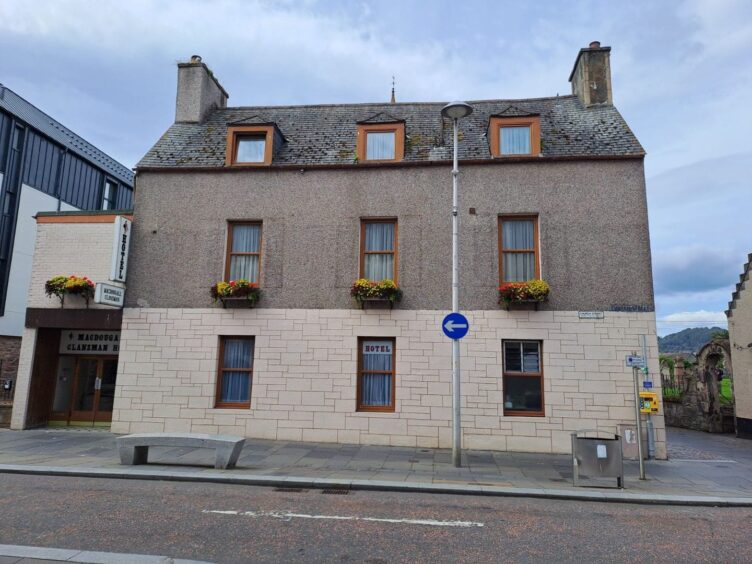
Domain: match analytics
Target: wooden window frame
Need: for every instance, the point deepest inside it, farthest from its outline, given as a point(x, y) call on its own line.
point(363, 252)
point(236, 132)
point(229, 254)
point(536, 243)
point(399, 141)
point(498, 122)
point(376, 408)
point(218, 403)
point(539, 375)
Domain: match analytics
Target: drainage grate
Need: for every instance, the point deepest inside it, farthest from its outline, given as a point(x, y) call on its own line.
point(335, 491)
point(290, 490)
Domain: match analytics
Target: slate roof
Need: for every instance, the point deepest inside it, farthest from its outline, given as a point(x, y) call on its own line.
point(37, 119)
point(326, 134)
point(743, 277)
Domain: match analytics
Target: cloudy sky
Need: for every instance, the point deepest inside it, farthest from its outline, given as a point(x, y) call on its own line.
point(682, 77)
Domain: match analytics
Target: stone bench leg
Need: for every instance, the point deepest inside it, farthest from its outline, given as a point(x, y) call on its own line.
point(134, 455)
point(227, 456)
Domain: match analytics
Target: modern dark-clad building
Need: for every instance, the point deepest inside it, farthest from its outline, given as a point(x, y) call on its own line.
point(44, 167)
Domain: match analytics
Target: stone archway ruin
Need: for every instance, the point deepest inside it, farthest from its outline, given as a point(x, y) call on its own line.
point(701, 406)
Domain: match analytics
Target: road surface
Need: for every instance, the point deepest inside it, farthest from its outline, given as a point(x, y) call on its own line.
point(226, 523)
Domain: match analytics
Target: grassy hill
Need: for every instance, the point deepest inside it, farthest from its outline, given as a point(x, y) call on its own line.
point(687, 340)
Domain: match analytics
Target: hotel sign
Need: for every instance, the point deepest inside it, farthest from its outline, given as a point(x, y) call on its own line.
point(89, 342)
point(120, 244)
point(107, 294)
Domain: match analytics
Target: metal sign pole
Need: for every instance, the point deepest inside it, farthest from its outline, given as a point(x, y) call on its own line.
point(635, 372)
point(456, 421)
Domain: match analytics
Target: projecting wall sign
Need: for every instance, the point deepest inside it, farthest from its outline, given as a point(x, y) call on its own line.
point(120, 244)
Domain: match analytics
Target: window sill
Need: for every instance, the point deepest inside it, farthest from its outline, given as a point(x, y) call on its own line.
point(248, 165)
point(513, 413)
point(375, 410)
point(240, 407)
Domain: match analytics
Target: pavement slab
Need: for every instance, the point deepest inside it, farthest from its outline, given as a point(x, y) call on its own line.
point(719, 468)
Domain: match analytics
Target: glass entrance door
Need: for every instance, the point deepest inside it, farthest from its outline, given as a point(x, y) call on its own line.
point(93, 390)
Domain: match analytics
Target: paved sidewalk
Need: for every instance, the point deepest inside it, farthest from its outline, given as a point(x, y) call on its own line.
point(15, 554)
point(703, 468)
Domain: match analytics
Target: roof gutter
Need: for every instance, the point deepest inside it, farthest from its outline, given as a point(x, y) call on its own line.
point(407, 164)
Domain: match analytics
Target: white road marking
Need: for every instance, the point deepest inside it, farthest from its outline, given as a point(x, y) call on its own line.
point(287, 516)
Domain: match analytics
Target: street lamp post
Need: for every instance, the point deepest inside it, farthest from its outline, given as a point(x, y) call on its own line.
point(456, 111)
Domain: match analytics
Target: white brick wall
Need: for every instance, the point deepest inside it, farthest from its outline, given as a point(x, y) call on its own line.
point(83, 249)
point(305, 376)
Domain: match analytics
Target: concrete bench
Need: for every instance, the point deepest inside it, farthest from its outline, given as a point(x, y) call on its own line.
point(134, 449)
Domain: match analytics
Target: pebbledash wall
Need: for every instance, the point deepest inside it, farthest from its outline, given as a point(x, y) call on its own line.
point(594, 251)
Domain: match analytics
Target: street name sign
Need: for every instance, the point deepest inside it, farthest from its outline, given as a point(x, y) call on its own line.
point(455, 326)
point(647, 384)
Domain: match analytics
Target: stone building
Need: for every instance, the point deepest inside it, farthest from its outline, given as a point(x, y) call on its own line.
point(303, 200)
point(739, 314)
point(44, 166)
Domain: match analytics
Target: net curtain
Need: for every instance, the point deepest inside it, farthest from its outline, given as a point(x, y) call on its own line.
point(376, 389)
point(515, 140)
point(236, 386)
point(379, 237)
point(245, 239)
point(517, 235)
point(380, 146)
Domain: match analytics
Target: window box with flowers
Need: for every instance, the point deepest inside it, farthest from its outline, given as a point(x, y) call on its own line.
point(518, 293)
point(369, 293)
point(236, 293)
point(61, 286)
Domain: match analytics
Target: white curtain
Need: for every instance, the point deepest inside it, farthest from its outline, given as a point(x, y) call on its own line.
point(379, 237)
point(236, 386)
point(245, 239)
point(251, 150)
point(518, 235)
point(515, 140)
point(380, 146)
point(376, 389)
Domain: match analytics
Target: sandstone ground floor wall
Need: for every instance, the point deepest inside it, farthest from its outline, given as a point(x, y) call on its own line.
point(305, 364)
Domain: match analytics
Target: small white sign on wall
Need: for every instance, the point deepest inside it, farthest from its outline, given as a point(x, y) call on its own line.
point(107, 294)
point(121, 242)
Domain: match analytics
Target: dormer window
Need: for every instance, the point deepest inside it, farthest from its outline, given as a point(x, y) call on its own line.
point(250, 145)
point(515, 136)
point(381, 142)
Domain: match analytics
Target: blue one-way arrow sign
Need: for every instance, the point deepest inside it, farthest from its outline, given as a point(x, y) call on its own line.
point(455, 326)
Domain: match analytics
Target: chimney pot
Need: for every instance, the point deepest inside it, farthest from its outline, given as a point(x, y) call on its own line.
point(593, 45)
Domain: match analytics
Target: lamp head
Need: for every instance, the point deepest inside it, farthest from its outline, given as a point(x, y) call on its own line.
point(456, 110)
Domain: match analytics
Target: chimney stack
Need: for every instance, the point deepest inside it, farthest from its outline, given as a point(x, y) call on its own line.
point(199, 92)
point(591, 75)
